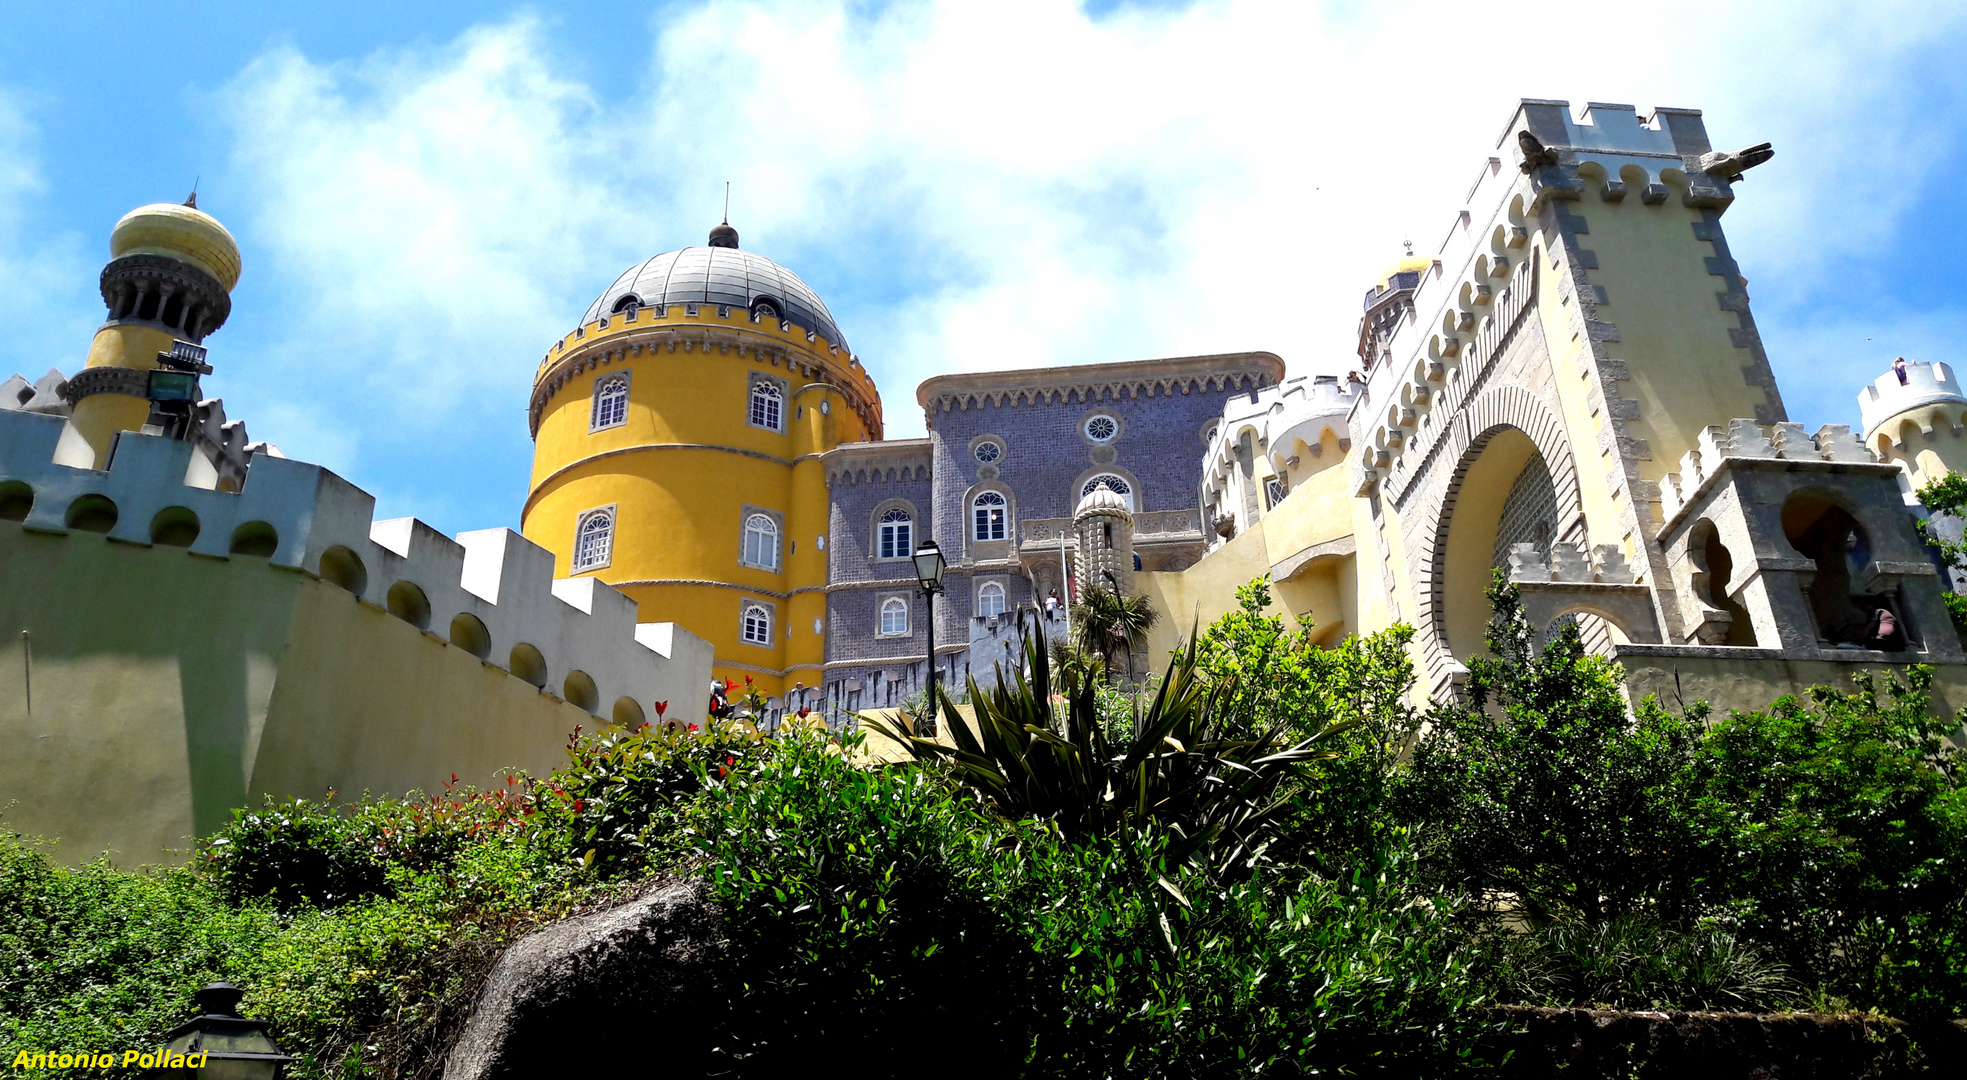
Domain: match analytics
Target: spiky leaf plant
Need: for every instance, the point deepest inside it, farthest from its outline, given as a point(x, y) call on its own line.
point(1040, 750)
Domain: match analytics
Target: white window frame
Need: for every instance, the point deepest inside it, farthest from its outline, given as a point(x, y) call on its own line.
point(881, 610)
point(1276, 490)
point(609, 410)
point(903, 529)
point(1086, 425)
point(764, 623)
point(978, 519)
point(765, 401)
point(585, 559)
point(774, 530)
point(990, 588)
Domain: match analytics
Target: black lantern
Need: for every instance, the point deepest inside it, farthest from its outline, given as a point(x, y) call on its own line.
point(225, 1045)
point(929, 567)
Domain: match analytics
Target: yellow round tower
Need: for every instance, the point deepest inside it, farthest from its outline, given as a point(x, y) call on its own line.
point(170, 276)
point(677, 434)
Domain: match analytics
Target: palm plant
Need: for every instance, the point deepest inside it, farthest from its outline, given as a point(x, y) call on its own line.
point(1109, 622)
point(1182, 770)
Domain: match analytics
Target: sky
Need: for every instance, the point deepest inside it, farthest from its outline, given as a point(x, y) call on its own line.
point(427, 195)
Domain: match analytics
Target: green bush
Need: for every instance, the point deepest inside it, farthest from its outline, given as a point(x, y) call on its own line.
point(1840, 820)
point(880, 914)
point(1544, 795)
point(296, 852)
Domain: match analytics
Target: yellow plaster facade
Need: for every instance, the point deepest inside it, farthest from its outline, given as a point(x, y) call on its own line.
point(687, 468)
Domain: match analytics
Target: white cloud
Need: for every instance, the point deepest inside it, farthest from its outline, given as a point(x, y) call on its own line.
point(985, 186)
point(51, 298)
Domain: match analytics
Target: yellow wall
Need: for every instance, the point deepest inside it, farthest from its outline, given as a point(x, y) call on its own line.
point(1925, 441)
point(155, 691)
point(1319, 511)
point(1672, 333)
point(686, 463)
point(99, 417)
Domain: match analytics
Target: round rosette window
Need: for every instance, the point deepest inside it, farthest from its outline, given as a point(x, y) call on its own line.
point(1101, 429)
point(988, 452)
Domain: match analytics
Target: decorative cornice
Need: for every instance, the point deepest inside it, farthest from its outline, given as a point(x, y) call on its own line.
point(125, 281)
point(874, 462)
point(1100, 382)
point(106, 380)
point(572, 356)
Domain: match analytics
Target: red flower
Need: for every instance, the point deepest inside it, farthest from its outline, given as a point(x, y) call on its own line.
point(747, 680)
point(661, 707)
point(693, 727)
point(804, 711)
point(731, 684)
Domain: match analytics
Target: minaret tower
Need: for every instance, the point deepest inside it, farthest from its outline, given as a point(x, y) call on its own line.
point(1104, 526)
point(170, 276)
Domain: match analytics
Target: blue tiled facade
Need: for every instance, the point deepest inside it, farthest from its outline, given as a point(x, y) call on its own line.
point(1161, 412)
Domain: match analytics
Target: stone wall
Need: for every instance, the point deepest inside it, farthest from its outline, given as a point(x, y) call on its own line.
point(1600, 1044)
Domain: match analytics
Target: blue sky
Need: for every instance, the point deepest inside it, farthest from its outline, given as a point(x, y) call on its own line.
point(427, 194)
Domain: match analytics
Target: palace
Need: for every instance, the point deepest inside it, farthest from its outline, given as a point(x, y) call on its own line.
point(1570, 387)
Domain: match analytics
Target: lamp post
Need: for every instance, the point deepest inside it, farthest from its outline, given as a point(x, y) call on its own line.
point(224, 1043)
point(929, 567)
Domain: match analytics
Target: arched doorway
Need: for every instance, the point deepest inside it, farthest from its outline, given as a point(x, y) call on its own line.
point(1506, 497)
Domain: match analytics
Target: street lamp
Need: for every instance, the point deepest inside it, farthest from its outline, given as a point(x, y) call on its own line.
point(929, 567)
point(228, 1045)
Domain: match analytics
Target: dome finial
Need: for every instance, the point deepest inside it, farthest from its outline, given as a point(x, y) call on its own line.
point(191, 200)
point(723, 235)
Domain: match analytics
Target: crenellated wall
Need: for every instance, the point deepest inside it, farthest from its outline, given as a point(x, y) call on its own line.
point(180, 650)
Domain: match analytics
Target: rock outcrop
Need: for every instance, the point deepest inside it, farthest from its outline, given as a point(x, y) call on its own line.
point(620, 991)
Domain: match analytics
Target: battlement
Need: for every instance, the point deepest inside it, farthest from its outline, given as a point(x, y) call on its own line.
point(1299, 410)
point(1926, 384)
point(490, 592)
point(1833, 447)
point(703, 328)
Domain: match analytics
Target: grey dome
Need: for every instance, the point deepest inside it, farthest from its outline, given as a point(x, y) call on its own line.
point(720, 275)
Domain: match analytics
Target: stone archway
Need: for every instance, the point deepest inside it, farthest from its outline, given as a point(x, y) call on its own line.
point(1493, 439)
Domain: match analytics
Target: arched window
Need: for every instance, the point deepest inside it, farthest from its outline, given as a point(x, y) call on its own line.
point(757, 625)
point(989, 510)
point(767, 404)
point(766, 311)
point(628, 302)
point(1114, 483)
point(897, 534)
point(761, 542)
point(610, 403)
point(594, 540)
point(894, 616)
point(990, 599)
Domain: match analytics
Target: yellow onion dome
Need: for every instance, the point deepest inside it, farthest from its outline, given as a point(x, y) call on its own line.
point(180, 232)
point(1408, 265)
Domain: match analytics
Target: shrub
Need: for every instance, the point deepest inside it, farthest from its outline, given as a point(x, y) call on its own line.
point(296, 852)
point(1632, 962)
point(1841, 821)
point(1187, 766)
point(1544, 795)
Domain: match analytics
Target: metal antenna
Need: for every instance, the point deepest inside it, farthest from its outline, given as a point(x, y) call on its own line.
point(192, 199)
point(727, 202)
